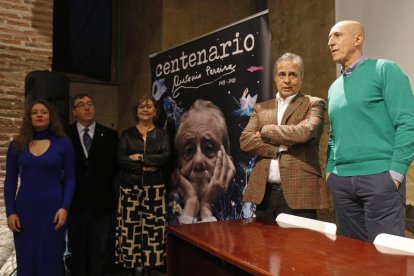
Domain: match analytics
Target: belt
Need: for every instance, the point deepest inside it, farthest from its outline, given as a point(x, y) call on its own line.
point(274, 186)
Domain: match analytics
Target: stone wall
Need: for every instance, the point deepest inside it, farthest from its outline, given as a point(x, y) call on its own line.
point(25, 45)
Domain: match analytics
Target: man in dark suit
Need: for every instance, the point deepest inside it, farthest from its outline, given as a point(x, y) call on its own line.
point(284, 133)
point(92, 214)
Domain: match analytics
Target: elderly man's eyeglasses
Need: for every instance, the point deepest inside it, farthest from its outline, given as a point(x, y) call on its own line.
point(83, 105)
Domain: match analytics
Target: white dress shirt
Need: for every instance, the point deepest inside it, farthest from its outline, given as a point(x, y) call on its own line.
point(282, 104)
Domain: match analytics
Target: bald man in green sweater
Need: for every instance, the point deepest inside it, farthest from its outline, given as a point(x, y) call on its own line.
point(371, 142)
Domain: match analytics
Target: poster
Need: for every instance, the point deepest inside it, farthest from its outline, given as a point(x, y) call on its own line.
point(223, 73)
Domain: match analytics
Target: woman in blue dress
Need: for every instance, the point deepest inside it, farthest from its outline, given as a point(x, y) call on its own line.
point(42, 160)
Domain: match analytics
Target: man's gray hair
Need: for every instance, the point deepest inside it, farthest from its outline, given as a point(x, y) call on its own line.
point(206, 106)
point(287, 57)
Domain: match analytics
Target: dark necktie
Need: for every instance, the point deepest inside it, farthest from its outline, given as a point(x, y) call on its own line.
point(87, 140)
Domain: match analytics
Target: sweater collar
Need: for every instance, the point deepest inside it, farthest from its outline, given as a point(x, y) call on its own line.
point(42, 134)
point(348, 71)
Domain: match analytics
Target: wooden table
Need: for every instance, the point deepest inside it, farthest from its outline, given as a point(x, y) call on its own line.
point(245, 247)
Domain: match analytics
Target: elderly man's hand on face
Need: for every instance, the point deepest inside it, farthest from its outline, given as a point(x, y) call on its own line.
point(198, 200)
point(189, 194)
point(203, 161)
point(223, 174)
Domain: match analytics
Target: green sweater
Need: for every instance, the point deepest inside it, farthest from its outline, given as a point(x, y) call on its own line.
point(371, 113)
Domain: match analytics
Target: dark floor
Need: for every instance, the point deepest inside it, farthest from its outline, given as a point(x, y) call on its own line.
point(116, 269)
point(119, 271)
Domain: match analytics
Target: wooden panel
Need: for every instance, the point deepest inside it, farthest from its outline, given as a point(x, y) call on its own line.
point(261, 248)
point(187, 259)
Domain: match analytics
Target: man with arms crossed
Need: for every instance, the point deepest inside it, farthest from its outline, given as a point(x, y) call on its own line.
point(284, 133)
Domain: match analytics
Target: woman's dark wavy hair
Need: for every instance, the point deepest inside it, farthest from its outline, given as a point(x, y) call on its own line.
point(25, 136)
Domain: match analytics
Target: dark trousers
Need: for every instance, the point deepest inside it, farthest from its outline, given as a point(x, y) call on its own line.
point(368, 205)
point(91, 243)
point(274, 203)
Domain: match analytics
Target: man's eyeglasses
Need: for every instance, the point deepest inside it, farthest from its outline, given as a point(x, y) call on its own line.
point(83, 105)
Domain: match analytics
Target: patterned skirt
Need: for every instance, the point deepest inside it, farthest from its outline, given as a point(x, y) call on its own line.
point(141, 222)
